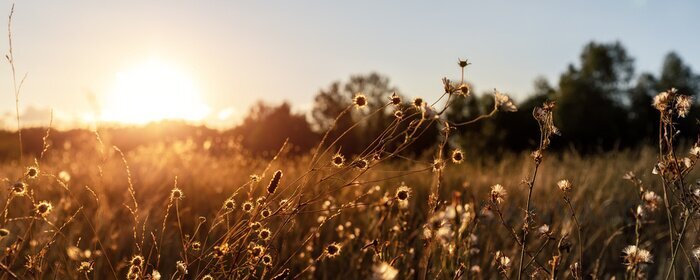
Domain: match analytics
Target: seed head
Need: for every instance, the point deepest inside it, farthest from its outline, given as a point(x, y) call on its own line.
point(360, 100)
point(635, 256)
point(19, 188)
point(418, 102)
point(255, 226)
point(464, 89)
point(275, 182)
point(361, 164)
point(395, 99)
point(498, 193)
point(565, 185)
point(257, 251)
point(503, 102)
point(265, 213)
point(255, 178)
point(229, 204)
point(264, 234)
point(661, 100)
point(332, 250)
point(267, 260)
point(32, 172)
point(463, 63)
point(503, 261)
point(85, 267)
point(208, 277)
point(196, 246)
point(338, 160)
point(247, 206)
point(176, 194)
point(4, 233)
point(181, 267)
point(43, 208)
point(398, 114)
point(457, 156)
point(683, 103)
point(403, 193)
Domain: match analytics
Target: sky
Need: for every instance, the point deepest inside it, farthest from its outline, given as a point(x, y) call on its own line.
point(84, 58)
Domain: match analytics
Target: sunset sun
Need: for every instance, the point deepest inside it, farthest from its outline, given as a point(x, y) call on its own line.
point(153, 91)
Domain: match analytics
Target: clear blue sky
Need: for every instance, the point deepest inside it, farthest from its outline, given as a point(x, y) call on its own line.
point(236, 52)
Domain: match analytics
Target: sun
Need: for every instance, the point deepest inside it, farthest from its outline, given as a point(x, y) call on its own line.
point(153, 91)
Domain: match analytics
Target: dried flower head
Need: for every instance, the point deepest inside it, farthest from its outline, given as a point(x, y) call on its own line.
point(398, 114)
point(438, 165)
point(418, 102)
point(19, 188)
point(463, 63)
point(544, 230)
point(257, 251)
point(498, 193)
point(332, 250)
point(395, 99)
point(255, 226)
point(43, 208)
point(32, 172)
point(683, 103)
point(448, 86)
point(360, 100)
point(137, 260)
point(208, 277)
point(565, 185)
point(503, 102)
point(634, 256)
point(274, 182)
point(338, 160)
point(267, 260)
point(457, 156)
point(264, 234)
point(229, 204)
point(403, 193)
point(247, 206)
point(176, 194)
point(265, 213)
point(661, 100)
point(196, 246)
point(464, 89)
point(651, 200)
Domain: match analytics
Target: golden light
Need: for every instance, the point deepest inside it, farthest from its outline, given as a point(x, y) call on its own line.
point(153, 91)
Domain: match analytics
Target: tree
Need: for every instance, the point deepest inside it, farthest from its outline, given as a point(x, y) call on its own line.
point(266, 127)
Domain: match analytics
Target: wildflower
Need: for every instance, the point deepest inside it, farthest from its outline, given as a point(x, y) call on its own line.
point(360, 100)
point(274, 182)
point(660, 101)
point(229, 204)
point(19, 188)
point(257, 251)
point(398, 114)
point(338, 160)
point(395, 99)
point(85, 267)
point(255, 178)
point(181, 267)
point(32, 172)
point(503, 261)
point(332, 250)
point(264, 234)
point(418, 103)
point(267, 260)
point(457, 156)
point(4, 233)
point(403, 193)
point(564, 185)
point(384, 271)
point(498, 194)
point(683, 103)
point(137, 260)
point(176, 194)
point(43, 208)
point(503, 102)
point(635, 256)
point(247, 206)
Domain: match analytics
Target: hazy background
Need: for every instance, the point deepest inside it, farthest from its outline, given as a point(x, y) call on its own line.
point(239, 52)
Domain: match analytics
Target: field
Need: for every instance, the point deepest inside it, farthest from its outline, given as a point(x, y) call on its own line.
point(186, 212)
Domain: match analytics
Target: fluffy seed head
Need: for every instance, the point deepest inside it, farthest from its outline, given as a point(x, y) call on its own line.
point(503, 102)
point(660, 101)
point(498, 193)
point(384, 271)
point(635, 256)
point(683, 103)
point(564, 185)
